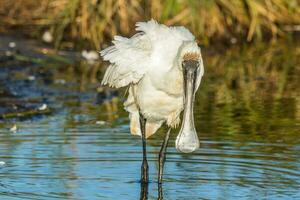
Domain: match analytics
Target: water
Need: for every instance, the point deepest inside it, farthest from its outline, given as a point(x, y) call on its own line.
point(247, 118)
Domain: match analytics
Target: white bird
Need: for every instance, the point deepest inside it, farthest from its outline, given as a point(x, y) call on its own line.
point(163, 67)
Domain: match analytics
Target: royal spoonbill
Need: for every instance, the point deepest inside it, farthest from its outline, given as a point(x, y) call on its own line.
point(162, 67)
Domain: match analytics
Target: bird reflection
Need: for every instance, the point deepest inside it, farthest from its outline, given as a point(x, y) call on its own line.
point(144, 192)
point(160, 192)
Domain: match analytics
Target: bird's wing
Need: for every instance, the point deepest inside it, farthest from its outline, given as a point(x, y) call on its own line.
point(128, 58)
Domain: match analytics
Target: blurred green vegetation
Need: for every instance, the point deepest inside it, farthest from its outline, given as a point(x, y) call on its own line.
point(252, 90)
point(92, 22)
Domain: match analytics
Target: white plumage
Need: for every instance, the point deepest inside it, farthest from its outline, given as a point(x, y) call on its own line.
point(150, 63)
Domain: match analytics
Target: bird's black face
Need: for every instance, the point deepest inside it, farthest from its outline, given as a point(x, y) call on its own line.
point(190, 69)
point(187, 140)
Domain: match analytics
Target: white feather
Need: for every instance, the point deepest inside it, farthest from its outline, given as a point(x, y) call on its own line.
point(131, 58)
point(150, 62)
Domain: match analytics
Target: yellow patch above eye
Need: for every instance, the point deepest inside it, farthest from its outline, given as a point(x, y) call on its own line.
point(191, 56)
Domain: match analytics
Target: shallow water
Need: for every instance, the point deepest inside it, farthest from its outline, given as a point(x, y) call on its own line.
point(247, 118)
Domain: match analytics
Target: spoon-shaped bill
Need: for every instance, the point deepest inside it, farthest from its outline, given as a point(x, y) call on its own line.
point(187, 140)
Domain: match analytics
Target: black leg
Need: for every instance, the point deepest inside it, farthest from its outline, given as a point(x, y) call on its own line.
point(160, 192)
point(144, 191)
point(162, 157)
point(144, 168)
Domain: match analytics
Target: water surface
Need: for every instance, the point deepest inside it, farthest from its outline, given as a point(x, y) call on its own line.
point(247, 115)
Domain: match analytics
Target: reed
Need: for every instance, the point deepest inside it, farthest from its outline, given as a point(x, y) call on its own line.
point(92, 22)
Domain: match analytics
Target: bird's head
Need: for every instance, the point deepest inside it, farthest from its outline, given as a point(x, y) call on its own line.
point(189, 55)
point(189, 60)
point(191, 65)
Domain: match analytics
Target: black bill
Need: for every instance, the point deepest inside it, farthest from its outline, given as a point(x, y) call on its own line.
point(187, 139)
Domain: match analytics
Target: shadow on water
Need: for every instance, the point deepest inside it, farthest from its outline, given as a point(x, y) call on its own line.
point(247, 114)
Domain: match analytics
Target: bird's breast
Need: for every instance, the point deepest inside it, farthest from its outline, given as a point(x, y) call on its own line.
point(160, 101)
point(168, 81)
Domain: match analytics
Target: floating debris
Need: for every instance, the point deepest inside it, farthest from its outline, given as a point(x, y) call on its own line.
point(101, 122)
point(47, 37)
point(14, 128)
point(21, 110)
point(60, 81)
point(2, 163)
point(12, 45)
point(43, 107)
point(31, 78)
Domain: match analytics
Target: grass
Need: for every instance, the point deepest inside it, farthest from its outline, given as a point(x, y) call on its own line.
point(92, 22)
